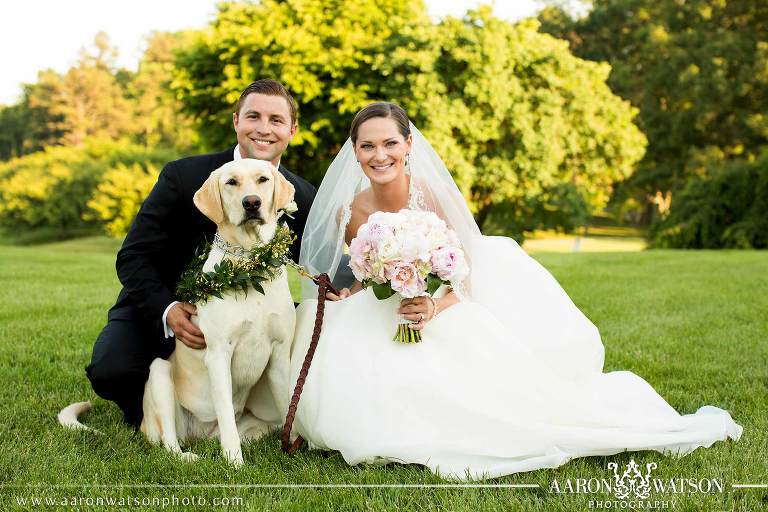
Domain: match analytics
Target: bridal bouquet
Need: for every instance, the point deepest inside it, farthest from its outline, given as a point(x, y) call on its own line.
point(410, 253)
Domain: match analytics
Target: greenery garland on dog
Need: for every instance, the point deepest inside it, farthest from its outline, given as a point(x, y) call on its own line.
point(259, 265)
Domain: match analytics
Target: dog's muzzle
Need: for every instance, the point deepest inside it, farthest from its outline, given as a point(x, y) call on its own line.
point(251, 205)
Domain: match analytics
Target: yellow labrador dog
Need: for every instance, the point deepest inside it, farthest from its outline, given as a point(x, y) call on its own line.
point(237, 387)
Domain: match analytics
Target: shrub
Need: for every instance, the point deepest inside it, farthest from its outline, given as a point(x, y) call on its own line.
point(119, 195)
point(724, 209)
point(50, 190)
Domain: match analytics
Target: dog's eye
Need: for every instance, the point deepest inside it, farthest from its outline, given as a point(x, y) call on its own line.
point(232, 181)
point(263, 179)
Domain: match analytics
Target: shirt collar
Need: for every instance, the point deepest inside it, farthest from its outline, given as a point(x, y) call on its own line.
point(238, 156)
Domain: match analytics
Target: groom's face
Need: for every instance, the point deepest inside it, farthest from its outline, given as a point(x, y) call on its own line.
point(263, 126)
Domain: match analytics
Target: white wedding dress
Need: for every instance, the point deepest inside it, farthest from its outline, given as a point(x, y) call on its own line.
point(506, 381)
point(486, 393)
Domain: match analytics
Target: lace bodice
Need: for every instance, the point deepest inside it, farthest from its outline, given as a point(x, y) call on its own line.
point(415, 196)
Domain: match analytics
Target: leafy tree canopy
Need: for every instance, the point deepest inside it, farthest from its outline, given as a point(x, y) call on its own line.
point(523, 125)
point(696, 69)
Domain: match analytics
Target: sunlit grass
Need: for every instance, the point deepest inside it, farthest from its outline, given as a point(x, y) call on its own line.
point(602, 236)
point(571, 243)
point(692, 323)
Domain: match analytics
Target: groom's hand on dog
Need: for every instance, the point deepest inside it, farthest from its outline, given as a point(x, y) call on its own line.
point(179, 321)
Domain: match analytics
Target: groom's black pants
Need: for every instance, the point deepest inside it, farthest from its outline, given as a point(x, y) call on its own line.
point(121, 357)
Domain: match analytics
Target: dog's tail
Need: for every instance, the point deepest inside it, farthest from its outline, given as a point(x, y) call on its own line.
point(68, 416)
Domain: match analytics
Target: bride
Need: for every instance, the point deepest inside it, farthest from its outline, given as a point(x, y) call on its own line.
point(508, 376)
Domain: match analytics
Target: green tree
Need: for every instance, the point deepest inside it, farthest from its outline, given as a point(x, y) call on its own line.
point(533, 135)
point(323, 52)
point(528, 130)
point(94, 99)
point(13, 130)
point(696, 69)
point(86, 101)
point(158, 119)
point(30, 126)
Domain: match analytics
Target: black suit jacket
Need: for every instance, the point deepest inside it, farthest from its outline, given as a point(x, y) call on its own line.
point(168, 228)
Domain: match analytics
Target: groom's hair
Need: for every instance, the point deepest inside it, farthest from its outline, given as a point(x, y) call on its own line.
point(384, 109)
point(268, 87)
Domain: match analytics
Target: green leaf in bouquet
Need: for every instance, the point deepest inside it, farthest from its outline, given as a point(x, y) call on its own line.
point(382, 291)
point(433, 283)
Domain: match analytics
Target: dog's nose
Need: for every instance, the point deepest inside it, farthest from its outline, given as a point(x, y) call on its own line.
point(251, 202)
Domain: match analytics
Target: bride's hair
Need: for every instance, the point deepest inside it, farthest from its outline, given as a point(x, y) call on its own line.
point(381, 109)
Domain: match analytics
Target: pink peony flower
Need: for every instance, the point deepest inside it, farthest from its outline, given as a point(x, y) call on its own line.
point(445, 261)
point(362, 252)
point(358, 247)
point(391, 267)
point(406, 280)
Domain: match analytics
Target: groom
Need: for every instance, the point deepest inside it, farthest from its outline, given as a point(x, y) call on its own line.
point(162, 240)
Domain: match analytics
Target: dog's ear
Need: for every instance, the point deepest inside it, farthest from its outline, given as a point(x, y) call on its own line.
point(284, 191)
point(208, 199)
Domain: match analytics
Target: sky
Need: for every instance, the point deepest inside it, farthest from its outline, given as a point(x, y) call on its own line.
point(42, 34)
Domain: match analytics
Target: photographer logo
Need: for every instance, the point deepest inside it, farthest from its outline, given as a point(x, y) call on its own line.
point(633, 487)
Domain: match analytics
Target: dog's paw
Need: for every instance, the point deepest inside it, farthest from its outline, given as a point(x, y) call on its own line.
point(236, 459)
point(189, 456)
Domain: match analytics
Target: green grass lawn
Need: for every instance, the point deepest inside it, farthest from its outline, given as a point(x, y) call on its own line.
point(693, 324)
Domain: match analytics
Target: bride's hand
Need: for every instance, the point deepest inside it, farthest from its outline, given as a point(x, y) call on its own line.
point(418, 309)
point(343, 294)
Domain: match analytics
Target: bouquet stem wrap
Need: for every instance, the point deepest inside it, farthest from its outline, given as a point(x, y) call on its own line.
point(405, 334)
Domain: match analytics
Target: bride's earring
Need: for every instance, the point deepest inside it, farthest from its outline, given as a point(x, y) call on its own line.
point(408, 162)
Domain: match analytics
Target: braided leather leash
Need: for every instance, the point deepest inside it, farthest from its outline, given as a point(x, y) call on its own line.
point(324, 286)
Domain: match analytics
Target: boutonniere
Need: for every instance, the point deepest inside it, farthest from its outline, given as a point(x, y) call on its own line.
point(288, 209)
